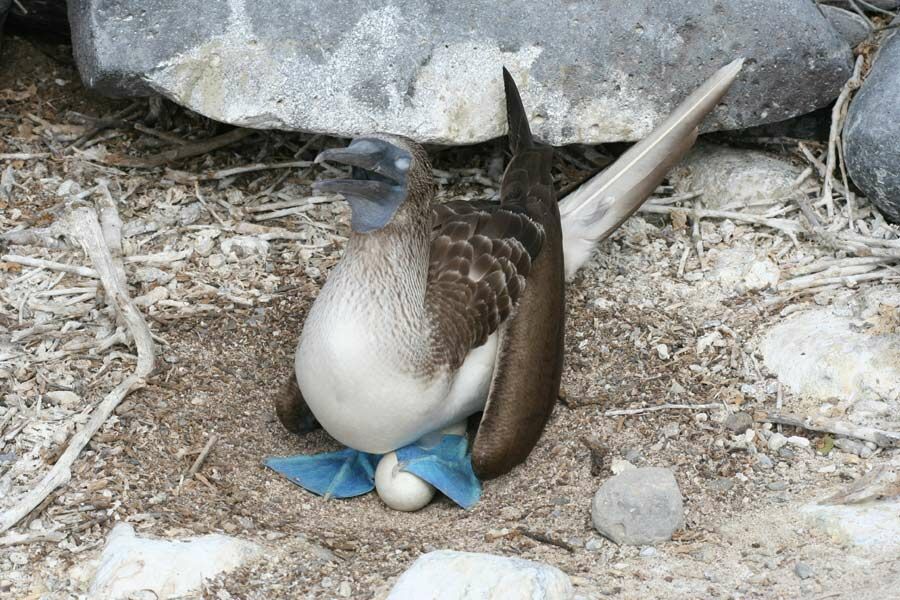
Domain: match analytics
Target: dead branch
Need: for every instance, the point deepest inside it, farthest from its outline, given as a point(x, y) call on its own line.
point(885, 439)
point(84, 227)
point(648, 409)
point(183, 151)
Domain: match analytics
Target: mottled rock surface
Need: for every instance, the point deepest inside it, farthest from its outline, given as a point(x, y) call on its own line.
point(872, 132)
point(734, 178)
point(638, 506)
point(169, 569)
point(850, 25)
point(589, 71)
point(450, 575)
point(850, 353)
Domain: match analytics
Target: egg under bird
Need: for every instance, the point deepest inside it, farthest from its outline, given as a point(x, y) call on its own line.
point(437, 312)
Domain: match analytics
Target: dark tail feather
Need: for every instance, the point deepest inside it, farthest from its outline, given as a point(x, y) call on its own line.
point(519, 131)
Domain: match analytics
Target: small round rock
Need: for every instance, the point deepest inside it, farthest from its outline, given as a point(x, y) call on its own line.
point(739, 422)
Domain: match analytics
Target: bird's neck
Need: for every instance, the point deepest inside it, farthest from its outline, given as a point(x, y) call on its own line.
point(391, 265)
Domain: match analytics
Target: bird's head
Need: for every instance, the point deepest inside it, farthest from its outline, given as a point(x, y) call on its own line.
point(390, 179)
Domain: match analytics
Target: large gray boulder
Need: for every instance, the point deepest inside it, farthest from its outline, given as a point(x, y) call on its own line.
point(589, 71)
point(872, 132)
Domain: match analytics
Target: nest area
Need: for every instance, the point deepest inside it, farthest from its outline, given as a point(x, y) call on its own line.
point(135, 231)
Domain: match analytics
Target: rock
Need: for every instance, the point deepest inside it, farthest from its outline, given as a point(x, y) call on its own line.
point(764, 462)
point(431, 70)
point(822, 355)
point(739, 422)
point(733, 178)
point(872, 525)
point(63, 397)
point(799, 441)
point(205, 242)
point(620, 466)
point(742, 269)
point(852, 27)
point(40, 16)
point(169, 569)
point(872, 131)
point(451, 575)
point(243, 246)
point(638, 507)
point(803, 570)
point(776, 442)
point(152, 275)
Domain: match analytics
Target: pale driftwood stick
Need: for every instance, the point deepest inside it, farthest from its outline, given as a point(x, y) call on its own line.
point(818, 280)
point(839, 262)
point(23, 155)
point(84, 227)
point(160, 259)
point(833, 274)
point(272, 206)
point(44, 238)
point(837, 123)
point(695, 233)
point(40, 263)
point(780, 224)
point(203, 454)
point(647, 409)
point(880, 437)
point(15, 539)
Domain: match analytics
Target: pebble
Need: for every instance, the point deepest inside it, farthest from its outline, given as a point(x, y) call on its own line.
point(738, 422)
point(638, 506)
point(722, 484)
point(663, 351)
point(633, 455)
point(345, 590)
point(18, 558)
point(777, 486)
point(777, 441)
point(671, 430)
point(764, 462)
point(786, 453)
point(803, 570)
point(648, 552)
point(215, 261)
point(827, 469)
point(799, 441)
point(511, 513)
point(63, 397)
point(593, 544)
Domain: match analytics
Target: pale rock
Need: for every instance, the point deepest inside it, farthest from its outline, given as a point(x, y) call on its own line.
point(243, 246)
point(823, 356)
point(871, 525)
point(732, 178)
point(205, 242)
point(799, 441)
point(431, 70)
point(451, 575)
point(169, 569)
point(63, 397)
point(152, 275)
point(620, 466)
point(742, 269)
point(638, 507)
point(777, 441)
point(152, 297)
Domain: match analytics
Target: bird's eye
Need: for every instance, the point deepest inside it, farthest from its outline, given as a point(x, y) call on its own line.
point(402, 163)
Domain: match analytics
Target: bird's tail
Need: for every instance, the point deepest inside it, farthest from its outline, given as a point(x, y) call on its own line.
point(519, 132)
point(596, 208)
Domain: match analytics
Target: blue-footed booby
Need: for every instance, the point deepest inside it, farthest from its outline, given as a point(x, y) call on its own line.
point(437, 312)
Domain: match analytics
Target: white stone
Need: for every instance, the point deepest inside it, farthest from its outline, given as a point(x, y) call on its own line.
point(777, 442)
point(734, 178)
point(620, 466)
point(451, 575)
point(63, 397)
point(169, 569)
point(824, 356)
point(799, 441)
point(152, 297)
point(742, 269)
point(244, 246)
point(873, 525)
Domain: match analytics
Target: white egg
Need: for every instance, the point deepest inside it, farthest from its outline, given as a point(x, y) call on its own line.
point(398, 489)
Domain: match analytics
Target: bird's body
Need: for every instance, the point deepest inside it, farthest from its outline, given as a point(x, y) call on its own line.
point(439, 311)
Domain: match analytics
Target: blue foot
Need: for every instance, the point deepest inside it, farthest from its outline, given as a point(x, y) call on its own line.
point(446, 464)
point(342, 474)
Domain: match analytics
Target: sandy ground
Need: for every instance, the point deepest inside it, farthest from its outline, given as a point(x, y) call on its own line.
point(219, 369)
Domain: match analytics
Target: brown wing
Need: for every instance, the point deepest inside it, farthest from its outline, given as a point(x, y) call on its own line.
point(481, 254)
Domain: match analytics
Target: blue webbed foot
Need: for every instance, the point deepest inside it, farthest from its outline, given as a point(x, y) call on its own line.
point(342, 474)
point(447, 465)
